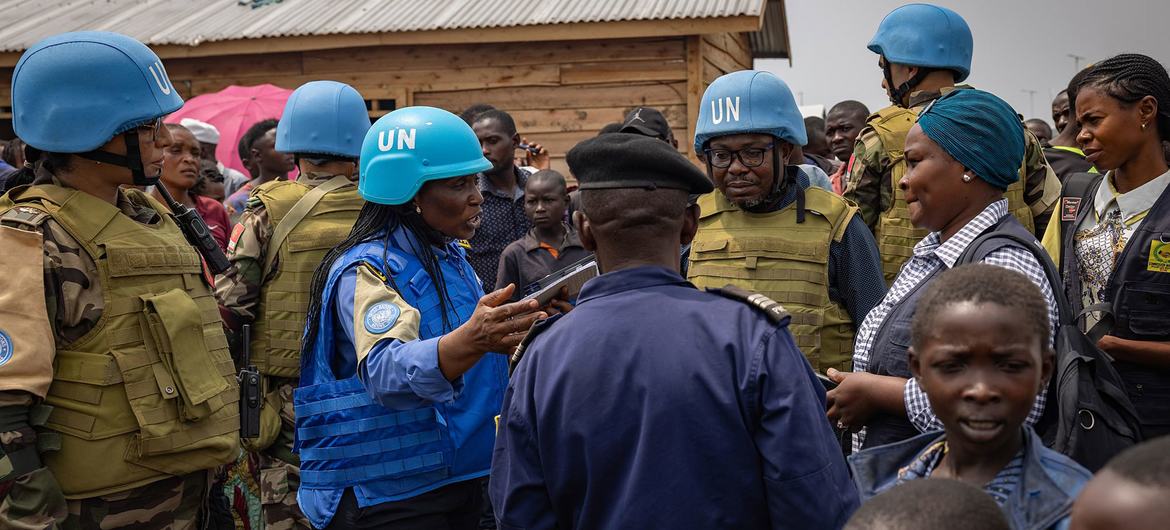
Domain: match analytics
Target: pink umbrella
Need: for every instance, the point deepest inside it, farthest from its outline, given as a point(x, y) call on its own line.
point(233, 110)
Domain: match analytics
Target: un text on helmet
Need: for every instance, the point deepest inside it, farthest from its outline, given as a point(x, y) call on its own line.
point(717, 109)
point(405, 139)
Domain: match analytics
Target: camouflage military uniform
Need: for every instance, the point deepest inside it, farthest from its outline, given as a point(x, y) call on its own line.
point(72, 292)
point(870, 184)
point(239, 291)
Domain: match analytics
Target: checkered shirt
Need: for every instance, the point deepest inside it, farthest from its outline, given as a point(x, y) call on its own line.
point(930, 258)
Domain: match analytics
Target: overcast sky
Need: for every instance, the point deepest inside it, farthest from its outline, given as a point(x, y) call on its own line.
point(1020, 46)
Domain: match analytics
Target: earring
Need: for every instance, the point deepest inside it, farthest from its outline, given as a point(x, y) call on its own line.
point(966, 177)
point(417, 210)
point(1143, 126)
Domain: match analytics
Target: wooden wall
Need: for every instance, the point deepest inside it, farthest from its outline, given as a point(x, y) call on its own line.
point(559, 92)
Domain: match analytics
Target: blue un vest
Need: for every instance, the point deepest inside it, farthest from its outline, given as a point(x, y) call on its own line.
point(346, 439)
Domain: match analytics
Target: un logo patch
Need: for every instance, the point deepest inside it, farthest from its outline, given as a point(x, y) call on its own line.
point(5, 348)
point(381, 316)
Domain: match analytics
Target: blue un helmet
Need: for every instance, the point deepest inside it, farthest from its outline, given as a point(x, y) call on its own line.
point(749, 101)
point(923, 35)
point(73, 92)
point(752, 101)
point(412, 145)
point(323, 118)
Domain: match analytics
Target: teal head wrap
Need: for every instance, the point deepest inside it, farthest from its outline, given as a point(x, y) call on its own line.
point(979, 130)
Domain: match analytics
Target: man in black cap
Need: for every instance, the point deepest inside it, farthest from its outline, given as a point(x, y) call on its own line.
point(689, 409)
point(649, 121)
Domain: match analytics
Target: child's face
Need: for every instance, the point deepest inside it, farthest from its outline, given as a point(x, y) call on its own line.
point(981, 366)
point(545, 203)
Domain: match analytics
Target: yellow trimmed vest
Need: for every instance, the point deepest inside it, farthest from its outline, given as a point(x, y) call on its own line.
point(770, 253)
point(284, 300)
point(150, 392)
point(895, 235)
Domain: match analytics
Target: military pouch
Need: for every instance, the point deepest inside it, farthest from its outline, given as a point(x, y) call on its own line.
point(173, 320)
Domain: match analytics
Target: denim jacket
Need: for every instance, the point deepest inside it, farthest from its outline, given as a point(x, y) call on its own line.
point(1042, 500)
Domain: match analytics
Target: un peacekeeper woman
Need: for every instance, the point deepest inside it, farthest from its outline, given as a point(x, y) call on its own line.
point(962, 154)
point(398, 393)
point(117, 391)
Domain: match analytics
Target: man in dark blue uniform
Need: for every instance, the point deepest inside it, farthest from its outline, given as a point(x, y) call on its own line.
point(654, 404)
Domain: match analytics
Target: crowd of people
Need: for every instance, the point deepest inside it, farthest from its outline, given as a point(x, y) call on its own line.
point(796, 332)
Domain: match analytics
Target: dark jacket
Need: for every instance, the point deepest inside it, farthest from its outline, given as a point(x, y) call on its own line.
point(1042, 500)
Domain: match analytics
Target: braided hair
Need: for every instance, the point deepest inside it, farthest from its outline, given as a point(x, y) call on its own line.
point(379, 220)
point(1128, 78)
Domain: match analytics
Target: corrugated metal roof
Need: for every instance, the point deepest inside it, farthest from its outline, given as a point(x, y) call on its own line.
point(192, 22)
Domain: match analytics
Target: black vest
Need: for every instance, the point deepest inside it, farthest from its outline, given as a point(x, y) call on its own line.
point(1139, 296)
point(890, 356)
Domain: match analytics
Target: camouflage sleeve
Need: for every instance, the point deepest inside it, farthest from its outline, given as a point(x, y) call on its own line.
point(869, 178)
point(238, 289)
point(1041, 185)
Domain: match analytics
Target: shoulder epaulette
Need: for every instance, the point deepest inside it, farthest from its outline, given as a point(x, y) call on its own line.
point(769, 307)
point(253, 202)
point(540, 326)
point(24, 218)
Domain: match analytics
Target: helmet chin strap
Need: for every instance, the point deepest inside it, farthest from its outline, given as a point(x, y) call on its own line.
point(132, 160)
point(901, 91)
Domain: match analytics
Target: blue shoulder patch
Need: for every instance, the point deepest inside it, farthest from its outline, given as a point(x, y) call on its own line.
point(5, 348)
point(380, 317)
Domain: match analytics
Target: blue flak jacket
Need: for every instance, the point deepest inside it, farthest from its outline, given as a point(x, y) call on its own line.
point(656, 405)
point(393, 427)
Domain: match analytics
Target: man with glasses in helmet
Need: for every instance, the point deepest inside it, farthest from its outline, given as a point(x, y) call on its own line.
point(281, 238)
point(117, 391)
point(765, 229)
point(923, 51)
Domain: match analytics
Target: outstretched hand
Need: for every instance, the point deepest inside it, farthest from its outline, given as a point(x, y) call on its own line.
point(494, 326)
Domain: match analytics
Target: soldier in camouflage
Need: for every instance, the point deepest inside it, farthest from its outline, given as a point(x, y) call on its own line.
point(281, 238)
point(117, 393)
point(923, 51)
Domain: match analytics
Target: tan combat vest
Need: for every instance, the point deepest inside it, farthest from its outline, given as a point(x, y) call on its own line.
point(896, 237)
point(150, 392)
point(284, 300)
point(770, 253)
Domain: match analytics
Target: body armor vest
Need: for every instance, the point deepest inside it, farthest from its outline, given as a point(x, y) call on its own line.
point(284, 300)
point(1139, 297)
point(150, 392)
point(772, 254)
point(346, 439)
point(896, 236)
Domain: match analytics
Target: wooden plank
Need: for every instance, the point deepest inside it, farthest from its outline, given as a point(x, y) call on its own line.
point(742, 47)
point(617, 71)
point(721, 59)
point(235, 66)
point(396, 58)
point(584, 119)
point(695, 87)
point(520, 98)
point(374, 83)
point(710, 72)
point(559, 143)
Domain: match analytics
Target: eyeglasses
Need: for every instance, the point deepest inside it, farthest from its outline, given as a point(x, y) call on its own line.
point(748, 156)
point(155, 128)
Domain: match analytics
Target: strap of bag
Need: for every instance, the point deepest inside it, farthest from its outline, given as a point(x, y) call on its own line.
point(297, 213)
point(1075, 186)
point(1050, 271)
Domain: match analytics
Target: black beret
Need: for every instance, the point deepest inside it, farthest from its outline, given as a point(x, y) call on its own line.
point(624, 160)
